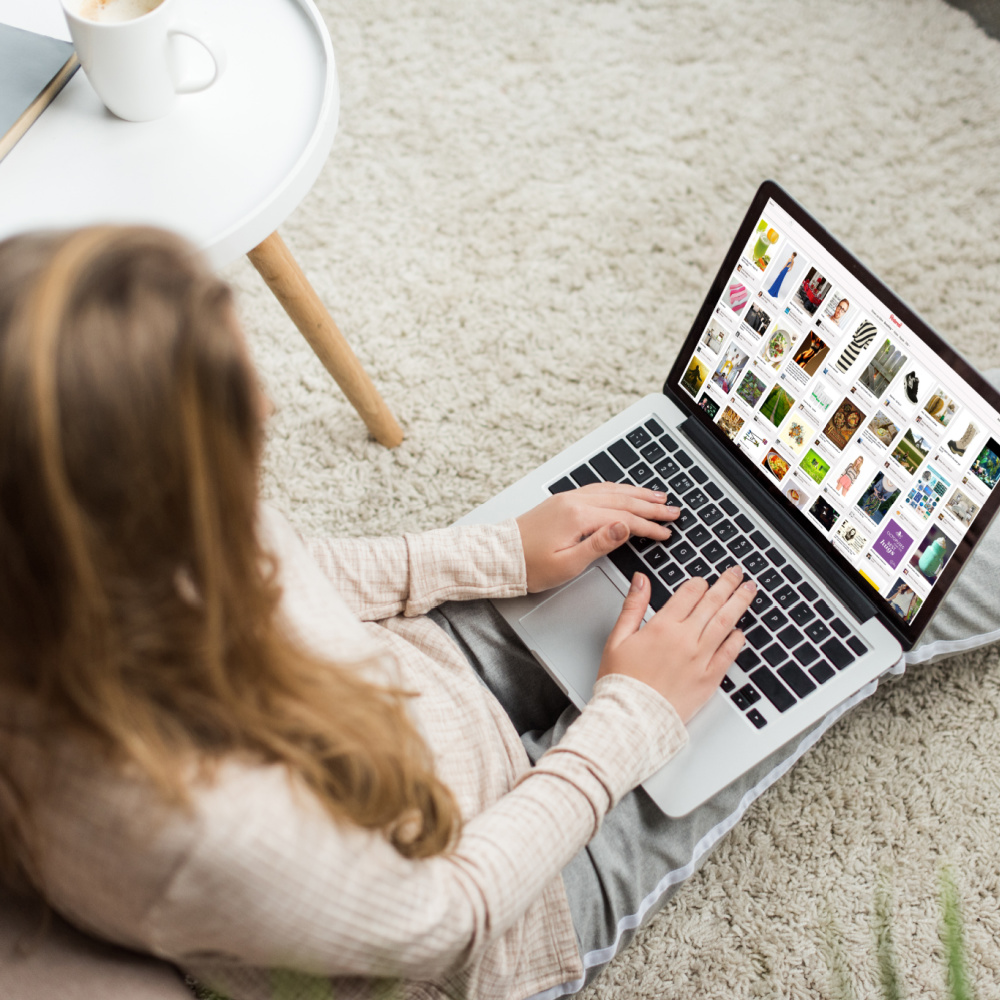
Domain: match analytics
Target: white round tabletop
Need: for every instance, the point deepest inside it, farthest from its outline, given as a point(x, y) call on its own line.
point(224, 168)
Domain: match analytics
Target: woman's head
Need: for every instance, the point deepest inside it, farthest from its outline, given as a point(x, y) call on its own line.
point(129, 429)
point(137, 606)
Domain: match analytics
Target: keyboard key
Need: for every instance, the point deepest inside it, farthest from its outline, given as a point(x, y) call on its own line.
point(747, 659)
point(840, 628)
point(672, 575)
point(655, 484)
point(774, 654)
point(695, 499)
point(713, 552)
point(758, 637)
point(760, 603)
point(727, 685)
point(755, 563)
point(750, 694)
point(652, 452)
point(807, 592)
point(724, 530)
point(857, 645)
point(698, 475)
point(759, 539)
point(770, 579)
point(585, 475)
point(796, 679)
point(746, 622)
point(739, 546)
point(638, 437)
point(683, 457)
point(607, 468)
point(681, 483)
point(725, 564)
point(656, 557)
point(805, 654)
point(776, 557)
point(713, 491)
point(640, 473)
point(698, 535)
point(683, 552)
point(774, 619)
point(837, 653)
point(623, 454)
point(802, 613)
point(744, 522)
point(756, 718)
point(728, 506)
point(817, 631)
point(640, 544)
point(786, 597)
point(628, 563)
point(823, 609)
point(563, 486)
point(739, 700)
point(668, 442)
point(686, 518)
point(775, 692)
point(699, 568)
point(792, 575)
point(822, 671)
point(667, 468)
point(653, 427)
point(710, 513)
point(790, 637)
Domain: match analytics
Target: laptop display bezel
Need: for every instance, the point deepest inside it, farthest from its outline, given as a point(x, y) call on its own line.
point(907, 633)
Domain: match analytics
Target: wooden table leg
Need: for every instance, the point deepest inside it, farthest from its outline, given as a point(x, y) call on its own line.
point(276, 265)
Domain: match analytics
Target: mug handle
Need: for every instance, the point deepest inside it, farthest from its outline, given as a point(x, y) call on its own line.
point(211, 45)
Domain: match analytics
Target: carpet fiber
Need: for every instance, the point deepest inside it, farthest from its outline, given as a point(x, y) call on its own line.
point(524, 206)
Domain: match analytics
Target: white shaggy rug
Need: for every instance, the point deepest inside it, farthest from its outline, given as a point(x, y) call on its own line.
point(524, 206)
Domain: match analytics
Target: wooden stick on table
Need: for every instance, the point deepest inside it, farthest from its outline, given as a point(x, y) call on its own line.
point(276, 265)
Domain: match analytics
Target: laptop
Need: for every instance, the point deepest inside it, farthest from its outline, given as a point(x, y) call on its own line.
point(813, 429)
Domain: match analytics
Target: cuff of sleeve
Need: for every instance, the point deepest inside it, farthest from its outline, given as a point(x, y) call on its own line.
point(626, 732)
point(465, 562)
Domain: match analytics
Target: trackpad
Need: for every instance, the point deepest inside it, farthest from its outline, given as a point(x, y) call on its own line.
point(570, 629)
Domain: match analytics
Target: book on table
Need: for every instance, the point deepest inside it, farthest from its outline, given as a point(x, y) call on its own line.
point(33, 69)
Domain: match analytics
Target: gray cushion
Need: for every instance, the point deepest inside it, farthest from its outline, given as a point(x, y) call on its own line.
point(65, 963)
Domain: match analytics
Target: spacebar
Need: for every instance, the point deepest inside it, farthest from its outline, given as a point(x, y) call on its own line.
point(629, 563)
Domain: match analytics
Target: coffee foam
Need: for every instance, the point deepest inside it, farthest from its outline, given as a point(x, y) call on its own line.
point(108, 11)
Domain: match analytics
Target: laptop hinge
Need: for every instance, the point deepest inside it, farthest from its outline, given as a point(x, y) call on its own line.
point(795, 537)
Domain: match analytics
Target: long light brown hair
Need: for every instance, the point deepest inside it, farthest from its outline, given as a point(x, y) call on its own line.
point(137, 607)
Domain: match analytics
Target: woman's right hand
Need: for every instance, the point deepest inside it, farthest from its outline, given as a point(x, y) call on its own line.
point(685, 648)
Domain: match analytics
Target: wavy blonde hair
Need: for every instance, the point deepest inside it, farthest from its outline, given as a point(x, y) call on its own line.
point(137, 607)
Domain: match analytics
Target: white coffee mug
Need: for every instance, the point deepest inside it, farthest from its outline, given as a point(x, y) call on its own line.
point(128, 50)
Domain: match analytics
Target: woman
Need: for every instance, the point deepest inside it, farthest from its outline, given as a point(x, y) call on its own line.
point(850, 476)
point(775, 290)
point(244, 751)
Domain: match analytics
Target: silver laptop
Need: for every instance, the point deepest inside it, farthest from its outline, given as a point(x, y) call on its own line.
point(813, 429)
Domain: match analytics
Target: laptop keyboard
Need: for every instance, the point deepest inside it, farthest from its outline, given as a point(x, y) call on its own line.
point(795, 641)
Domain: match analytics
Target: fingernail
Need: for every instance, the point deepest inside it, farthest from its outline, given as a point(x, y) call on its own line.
point(618, 531)
point(750, 587)
point(736, 570)
point(658, 496)
point(672, 509)
point(638, 581)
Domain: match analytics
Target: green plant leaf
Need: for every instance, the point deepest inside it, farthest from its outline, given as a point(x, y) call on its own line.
point(952, 937)
point(885, 951)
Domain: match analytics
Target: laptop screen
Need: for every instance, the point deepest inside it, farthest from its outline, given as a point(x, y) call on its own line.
point(879, 436)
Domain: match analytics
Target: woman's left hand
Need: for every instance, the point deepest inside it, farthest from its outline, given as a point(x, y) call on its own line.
point(567, 532)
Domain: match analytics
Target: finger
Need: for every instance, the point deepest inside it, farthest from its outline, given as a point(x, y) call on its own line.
point(605, 539)
point(724, 656)
point(633, 608)
point(644, 503)
point(716, 597)
point(685, 599)
point(730, 613)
